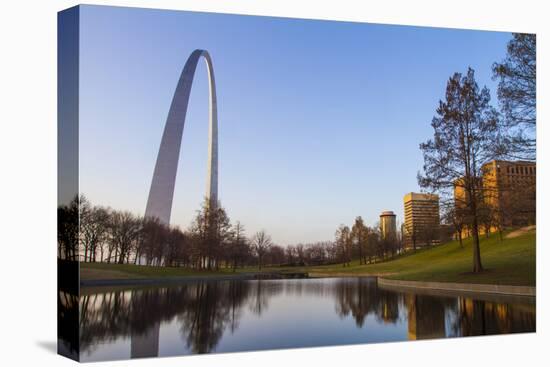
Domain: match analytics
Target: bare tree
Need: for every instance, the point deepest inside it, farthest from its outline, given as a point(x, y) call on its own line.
point(359, 234)
point(100, 219)
point(210, 232)
point(517, 94)
point(316, 253)
point(300, 252)
point(94, 225)
point(290, 253)
point(67, 230)
point(466, 135)
point(344, 243)
point(401, 237)
point(275, 255)
point(454, 216)
point(124, 230)
point(429, 233)
point(151, 241)
point(261, 242)
point(238, 248)
point(175, 248)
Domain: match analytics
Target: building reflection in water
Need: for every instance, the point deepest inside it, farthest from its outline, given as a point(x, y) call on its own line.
point(426, 316)
point(478, 317)
point(205, 312)
point(145, 333)
point(438, 317)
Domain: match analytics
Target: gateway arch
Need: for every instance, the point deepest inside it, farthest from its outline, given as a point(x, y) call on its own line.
point(161, 193)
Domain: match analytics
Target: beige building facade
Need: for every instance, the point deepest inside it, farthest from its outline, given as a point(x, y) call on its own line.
point(509, 189)
point(507, 193)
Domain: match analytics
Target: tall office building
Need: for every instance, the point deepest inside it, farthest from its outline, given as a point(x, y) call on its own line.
point(388, 228)
point(421, 220)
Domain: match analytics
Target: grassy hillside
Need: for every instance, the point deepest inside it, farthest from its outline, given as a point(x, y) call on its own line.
point(510, 262)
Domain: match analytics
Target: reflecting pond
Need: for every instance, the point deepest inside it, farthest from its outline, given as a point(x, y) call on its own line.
point(244, 315)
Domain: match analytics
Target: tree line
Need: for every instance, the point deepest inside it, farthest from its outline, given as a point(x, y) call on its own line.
point(93, 233)
point(365, 244)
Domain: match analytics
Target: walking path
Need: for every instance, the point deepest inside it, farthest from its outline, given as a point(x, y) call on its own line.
point(521, 231)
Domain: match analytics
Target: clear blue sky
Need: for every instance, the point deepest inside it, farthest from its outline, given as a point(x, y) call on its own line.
point(319, 121)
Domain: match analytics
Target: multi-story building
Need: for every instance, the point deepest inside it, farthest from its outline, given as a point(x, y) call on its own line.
point(388, 226)
point(507, 194)
point(509, 189)
point(421, 220)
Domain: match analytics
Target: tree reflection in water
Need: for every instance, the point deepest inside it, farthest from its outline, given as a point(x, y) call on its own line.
point(361, 297)
point(211, 308)
point(67, 319)
point(204, 310)
point(207, 311)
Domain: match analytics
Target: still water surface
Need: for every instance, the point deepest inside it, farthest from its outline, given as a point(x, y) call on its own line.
point(239, 315)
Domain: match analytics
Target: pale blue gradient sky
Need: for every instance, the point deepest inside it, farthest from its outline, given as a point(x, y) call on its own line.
point(319, 121)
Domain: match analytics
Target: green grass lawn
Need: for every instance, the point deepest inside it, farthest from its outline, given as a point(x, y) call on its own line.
point(129, 271)
point(510, 262)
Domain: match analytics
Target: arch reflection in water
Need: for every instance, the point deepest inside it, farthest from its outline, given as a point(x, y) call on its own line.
point(225, 316)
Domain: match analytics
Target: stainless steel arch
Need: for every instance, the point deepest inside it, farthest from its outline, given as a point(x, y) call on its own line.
point(161, 193)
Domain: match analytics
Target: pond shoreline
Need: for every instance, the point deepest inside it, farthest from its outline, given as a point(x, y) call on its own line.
point(459, 288)
point(447, 287)
point(189, 278)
